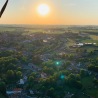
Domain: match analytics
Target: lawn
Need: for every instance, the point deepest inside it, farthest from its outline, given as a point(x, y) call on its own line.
point(94, 37)
point(89, 41)
point(93, 92)
point(89, 88)
point(87, 81)
point(90, 48)
point(70, 42)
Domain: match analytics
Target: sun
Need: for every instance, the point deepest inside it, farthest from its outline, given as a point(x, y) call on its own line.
point(43, 9)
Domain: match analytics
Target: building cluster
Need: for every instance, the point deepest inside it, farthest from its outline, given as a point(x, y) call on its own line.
point(84, 44)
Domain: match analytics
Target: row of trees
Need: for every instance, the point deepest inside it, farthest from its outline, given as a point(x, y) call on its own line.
point(54, 86)
point(10, 72)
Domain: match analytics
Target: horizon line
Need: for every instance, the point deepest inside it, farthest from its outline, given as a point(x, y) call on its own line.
point(55, 24)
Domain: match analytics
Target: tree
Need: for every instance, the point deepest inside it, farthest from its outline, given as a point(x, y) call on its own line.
point(65, 72)
point(31, 79)
point(19, 69)
point(50, 92)
point(77, 84)
point(93, 68)
point(48, 70)
point(36, 60)
point(19, 74)
point(31, 82)
point(10, 76)
point(65, 65)
point(24, 59)
point(73, 81)
point(70, 57)
point(82, 73)
point(49, 63)
point(78, 77)
point(3, 88)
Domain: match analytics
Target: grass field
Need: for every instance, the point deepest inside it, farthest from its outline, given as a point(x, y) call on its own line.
point(88, 84)
point(90, 48)
point(87, 81)
point(94, 37)
point(7, 28)
point(70, 42)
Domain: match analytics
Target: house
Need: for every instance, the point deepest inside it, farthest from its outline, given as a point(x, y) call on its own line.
point(90, 44)
point(31, 92)
point(69, 95)
point(21, 82)
point(45, 41)
point(14, 91)
point(43, 75)
point(45, 57)
point(25, 78)
point(78, 45)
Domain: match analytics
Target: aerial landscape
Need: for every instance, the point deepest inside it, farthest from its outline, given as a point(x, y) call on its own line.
point(51, 52)
point(49, 61)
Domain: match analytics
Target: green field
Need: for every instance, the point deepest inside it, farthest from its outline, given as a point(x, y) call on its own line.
point(88, 84)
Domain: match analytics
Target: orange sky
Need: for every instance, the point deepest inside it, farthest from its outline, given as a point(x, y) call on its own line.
point(68, 12)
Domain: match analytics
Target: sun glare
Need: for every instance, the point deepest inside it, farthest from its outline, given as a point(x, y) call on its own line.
point(43, 9)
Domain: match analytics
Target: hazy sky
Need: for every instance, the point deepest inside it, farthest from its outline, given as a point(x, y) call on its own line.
point(68, 12)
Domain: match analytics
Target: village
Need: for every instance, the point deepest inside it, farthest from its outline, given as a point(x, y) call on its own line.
point(46, 61)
